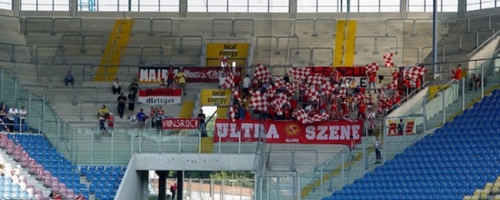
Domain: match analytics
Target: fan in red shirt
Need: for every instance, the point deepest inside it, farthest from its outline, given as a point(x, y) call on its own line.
point(287, 112)
point(293, 103)
point(248, 115)
point(111, 122)
point(361, 110)
point(334, 108)
point(380, 106)
point(345, 109)
point(453, 72)
point(170, 76)
point(395, 75)
point(271, 112)
point(458, 72)
point(396, 98)
point(371, 81)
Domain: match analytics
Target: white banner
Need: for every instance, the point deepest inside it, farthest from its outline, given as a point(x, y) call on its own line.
point(158, 100)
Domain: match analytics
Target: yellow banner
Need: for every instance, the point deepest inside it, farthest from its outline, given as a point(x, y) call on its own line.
point(215, 97)
point(231, 50)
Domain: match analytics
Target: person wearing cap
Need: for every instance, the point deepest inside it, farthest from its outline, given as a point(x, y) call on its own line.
point(111, 123)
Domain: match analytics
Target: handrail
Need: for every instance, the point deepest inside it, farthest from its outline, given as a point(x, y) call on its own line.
point(408, 96)
point(151, 23)
point(233, 22)
point(13, 50)
point(486, 42)
point(53, 21)
point(414, 20)
point(297, 50)
point(324, 48)
point(406, 47)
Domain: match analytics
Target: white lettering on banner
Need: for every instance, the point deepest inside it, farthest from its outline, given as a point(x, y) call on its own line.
point(225, 129)
point(153, 75)
point(340, 132)
point(180, 123)
point(320, 132)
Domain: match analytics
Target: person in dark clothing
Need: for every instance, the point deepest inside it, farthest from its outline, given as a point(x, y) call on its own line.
point(173, 190)
point(131, 103)
point(121, 104)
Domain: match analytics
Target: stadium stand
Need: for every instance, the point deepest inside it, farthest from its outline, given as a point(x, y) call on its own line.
point(456, 160)
point(35, 153)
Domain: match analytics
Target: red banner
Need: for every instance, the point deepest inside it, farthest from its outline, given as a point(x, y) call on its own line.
point(193, 74)
point(180, 123)
point(354, 71)
point(329, 132)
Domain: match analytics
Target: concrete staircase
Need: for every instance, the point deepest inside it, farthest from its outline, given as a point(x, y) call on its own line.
point(30, 179)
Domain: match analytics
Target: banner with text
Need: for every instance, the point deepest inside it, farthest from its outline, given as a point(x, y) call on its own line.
point(234, 52)
point(160, 96)
point(180, 123)
point(215, 97)
point(400, 126)
point(352, 73)
point(193, 74)
point(329, 132)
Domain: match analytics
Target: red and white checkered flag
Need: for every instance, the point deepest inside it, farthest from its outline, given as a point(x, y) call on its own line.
point(393, 85)
point(228, 82)
point(414, 72)
point(258, 101)
point(319, 117)
point(372, 67)
point(312, 94)
point(316, 80)
point(342, 93)
point(280, 101)
point(270, 91)
point(223, 61)
point(328, 89)
point(236, 95)
point(279, 82)
point(389, 62)
point(359, 97)
point(232, 115)
point(300, 73)
point(262, 73)
point(301, 116)
point(290, 88)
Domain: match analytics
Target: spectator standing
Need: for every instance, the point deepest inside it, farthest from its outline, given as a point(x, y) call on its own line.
point(371, 81)
point(70, 78)
point(152, 116)
point(458, 72)
point(246, 86)
point(352, 146)
point(286, 78)
point(22, 115)
point(201, 119)
point(173, 190)
point(377, 147)
point(362, 110)
point(131, 103)
point(170, 76)
point(13, 113)
point(121, 104)
point(117, 86)
point(134, 87)
point(159, 118)
point(141, 118)
point(111, 123)
point(222, 79)
point(181, 77)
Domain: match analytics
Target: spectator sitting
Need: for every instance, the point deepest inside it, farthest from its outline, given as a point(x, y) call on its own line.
point(162, 83)
point(69, 78)
point(117, 86)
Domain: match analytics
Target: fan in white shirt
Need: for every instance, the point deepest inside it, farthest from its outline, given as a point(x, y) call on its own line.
point(12, 113)
point(22, 113)
point(222, 79)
